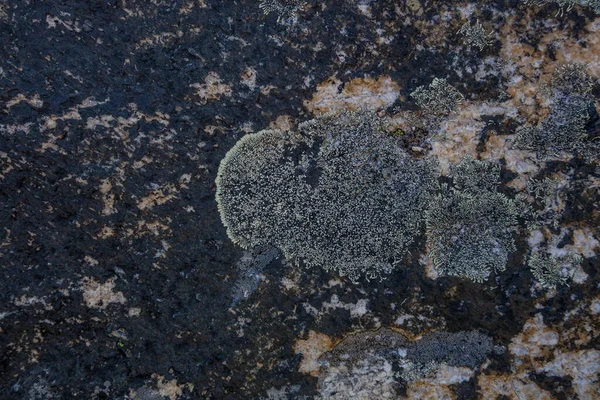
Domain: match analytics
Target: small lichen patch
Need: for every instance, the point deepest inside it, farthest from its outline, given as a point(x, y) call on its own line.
point(470, 225)
point(438, 99)
point(474, 35)
point(34, 101)
point(284, 9)
point(356, 310)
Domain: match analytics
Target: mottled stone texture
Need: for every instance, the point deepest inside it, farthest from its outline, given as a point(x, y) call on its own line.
point(117, 276)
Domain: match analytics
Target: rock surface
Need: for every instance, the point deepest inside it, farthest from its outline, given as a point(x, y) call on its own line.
point(118, 278)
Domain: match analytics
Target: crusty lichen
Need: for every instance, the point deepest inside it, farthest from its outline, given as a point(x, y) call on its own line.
point(253, 189)
point(474, 35)
point(572, 78)
point(565, 132)
point(285, 9)
point(552, 271)
point(439, 98)
point(567, 5)
point(470, 226)
point(547, 196)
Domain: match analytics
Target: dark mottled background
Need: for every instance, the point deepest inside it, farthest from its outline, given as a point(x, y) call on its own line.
point(117, 273)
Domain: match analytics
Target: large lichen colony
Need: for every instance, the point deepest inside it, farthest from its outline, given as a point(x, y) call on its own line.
point(339, 193)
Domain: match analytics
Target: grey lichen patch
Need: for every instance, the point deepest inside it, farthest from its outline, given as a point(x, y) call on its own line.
point(375, 364)
point(549, 195)
point(567, 5)
point(572, 78)
point(563, 132)
point(439, 98)
point(339, 194)
point(551, 271)
point(470, 226)
point(474, 35)
point(284, 9)
point(361, 366)
point(461, 349)
point(256, 183)
point(474, 175)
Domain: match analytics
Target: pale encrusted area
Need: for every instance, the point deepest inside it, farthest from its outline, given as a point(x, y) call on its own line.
point(212, 89)
point(101, 295)
point(161, 388)
point(358, 94)
point(284, 9)
point(475, 35)
point(368, 379)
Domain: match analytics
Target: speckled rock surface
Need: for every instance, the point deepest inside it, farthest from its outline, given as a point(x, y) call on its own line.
point(118, 278)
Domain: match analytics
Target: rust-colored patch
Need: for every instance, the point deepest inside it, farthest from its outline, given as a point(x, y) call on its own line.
point(99, 296)
point(357, 94)
point(311, 349)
